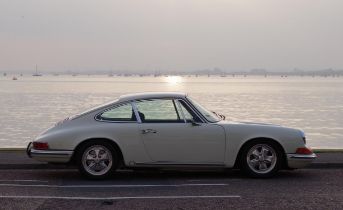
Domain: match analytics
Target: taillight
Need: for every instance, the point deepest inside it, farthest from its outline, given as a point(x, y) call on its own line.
point(40, 145)
point(304, 151)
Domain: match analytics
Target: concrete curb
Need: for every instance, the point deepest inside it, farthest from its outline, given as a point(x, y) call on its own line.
point(45, 166)
point(16, 158)
point(322, 150)
point(35, 166)
point(316, 150)
point(325, 165)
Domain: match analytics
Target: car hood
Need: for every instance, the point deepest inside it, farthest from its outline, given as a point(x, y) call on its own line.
point(254, 123)
point(247, 123)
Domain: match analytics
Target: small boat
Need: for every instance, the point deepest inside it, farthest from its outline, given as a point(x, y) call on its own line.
point(37, 74)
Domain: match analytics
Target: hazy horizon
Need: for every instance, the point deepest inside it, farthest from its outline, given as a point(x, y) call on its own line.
point(153, 35)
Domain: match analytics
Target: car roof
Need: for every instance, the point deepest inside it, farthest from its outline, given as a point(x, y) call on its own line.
point(147, 95)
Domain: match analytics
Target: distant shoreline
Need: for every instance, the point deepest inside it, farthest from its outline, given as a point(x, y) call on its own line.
point(182, 75)
point(206, 72)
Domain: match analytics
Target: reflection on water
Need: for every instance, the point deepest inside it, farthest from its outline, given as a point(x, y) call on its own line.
point(30, 105)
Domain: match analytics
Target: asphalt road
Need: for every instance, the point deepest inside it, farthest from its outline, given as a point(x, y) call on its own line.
point(65, 189)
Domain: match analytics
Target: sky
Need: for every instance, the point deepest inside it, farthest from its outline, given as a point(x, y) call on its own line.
point(170, 35)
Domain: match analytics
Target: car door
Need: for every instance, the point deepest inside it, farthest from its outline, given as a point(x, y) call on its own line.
point(120, 124)
point(171, 136)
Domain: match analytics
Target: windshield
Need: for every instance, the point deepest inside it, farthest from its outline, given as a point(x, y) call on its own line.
point(211, 117)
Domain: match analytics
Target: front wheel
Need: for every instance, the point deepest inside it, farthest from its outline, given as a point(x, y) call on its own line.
point(97, 160)
point(261, 159)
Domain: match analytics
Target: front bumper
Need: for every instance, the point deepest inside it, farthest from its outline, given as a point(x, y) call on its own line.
point(299, 160)
point(53, 156)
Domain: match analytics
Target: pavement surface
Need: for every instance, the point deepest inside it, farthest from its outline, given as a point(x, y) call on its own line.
point(29, 184)
point(66, 189)
point(17, 159)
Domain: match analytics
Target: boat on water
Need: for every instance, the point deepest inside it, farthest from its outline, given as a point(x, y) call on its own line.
point(37, 74)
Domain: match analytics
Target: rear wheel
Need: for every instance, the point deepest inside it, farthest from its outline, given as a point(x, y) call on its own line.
point(97, 160)
point(261, 159)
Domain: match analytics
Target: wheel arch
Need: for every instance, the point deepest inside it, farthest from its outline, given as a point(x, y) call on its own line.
point(261, 139)
point(110, 141)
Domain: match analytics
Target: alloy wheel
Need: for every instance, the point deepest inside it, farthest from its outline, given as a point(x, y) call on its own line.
point(97, 160)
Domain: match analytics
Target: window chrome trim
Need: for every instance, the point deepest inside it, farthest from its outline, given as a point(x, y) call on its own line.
point(180, 108)
point(135, 110)
point(147, 99)
point(164, 98)
point(112, 107)
point(199, 113)
point(195, 111)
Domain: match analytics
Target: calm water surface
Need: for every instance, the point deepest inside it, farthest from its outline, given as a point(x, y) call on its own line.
point(30, 105)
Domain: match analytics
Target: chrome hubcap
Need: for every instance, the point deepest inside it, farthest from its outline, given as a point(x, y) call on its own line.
point(97, 160)
point(261, 158)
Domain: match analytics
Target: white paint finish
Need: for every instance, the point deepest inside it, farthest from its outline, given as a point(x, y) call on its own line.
point(217, 143)
point(121, 197)
point(238, 133)
point(184, 143)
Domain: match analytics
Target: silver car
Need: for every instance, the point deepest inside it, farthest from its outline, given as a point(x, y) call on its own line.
point(167, 130)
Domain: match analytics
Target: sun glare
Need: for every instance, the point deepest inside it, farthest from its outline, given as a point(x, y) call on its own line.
point(174, 79)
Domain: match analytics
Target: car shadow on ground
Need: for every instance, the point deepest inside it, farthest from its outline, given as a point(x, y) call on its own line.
point(152, 176)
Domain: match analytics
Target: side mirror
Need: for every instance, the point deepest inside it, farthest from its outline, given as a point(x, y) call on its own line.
point(222, 116)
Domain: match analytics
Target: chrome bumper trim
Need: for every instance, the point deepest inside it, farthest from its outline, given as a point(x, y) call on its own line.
point(51, 152)
point(58, 156)
point(299, 156)
point(28, 149)
point(299, 160)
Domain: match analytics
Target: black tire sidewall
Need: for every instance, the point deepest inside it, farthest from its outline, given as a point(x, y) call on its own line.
point(84, 147)
point(248, 171)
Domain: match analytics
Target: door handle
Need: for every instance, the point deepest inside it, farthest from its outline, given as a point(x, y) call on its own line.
point(145, 131)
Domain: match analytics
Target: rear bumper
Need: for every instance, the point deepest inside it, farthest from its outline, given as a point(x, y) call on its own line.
point(53, 156)
point(300, 161)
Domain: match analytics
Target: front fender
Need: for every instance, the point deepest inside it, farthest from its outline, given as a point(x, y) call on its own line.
point(239, 134)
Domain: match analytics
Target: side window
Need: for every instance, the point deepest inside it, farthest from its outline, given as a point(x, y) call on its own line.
point(188, 113)
point(158, 110)
point(120, 113)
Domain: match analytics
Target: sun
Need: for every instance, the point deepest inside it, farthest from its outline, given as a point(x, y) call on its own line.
point(174, 80)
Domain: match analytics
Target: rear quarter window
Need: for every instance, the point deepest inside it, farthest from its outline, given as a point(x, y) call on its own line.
point(120, 113)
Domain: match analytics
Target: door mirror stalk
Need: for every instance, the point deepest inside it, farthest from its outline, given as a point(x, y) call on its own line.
point(195, 123)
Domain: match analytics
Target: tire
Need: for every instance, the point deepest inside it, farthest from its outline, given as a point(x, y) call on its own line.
point(258, 164)
point(97, 160)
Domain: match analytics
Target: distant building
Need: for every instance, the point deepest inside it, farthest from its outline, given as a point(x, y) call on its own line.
point(258, 71)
